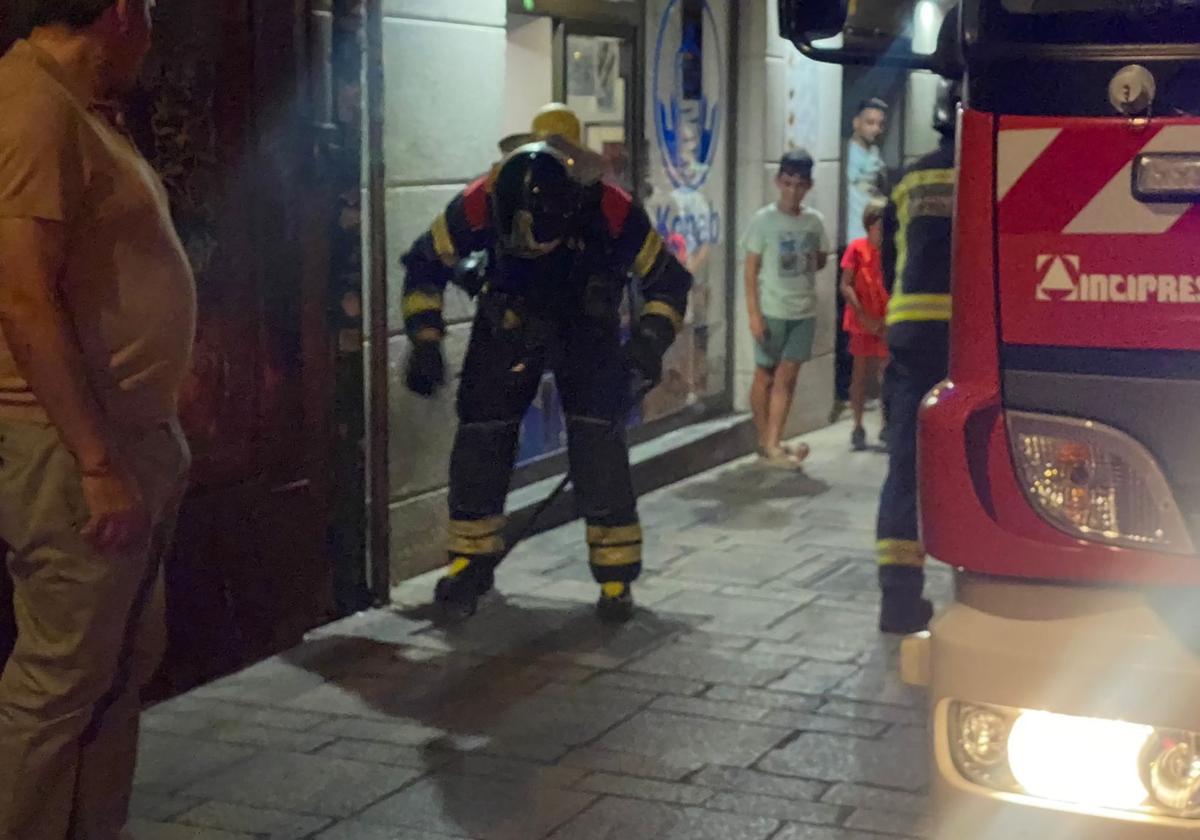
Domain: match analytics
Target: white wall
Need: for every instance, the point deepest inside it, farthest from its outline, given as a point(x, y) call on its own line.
point(787, 101)
point(444, 95)
point(529, 63)
point(920, 138)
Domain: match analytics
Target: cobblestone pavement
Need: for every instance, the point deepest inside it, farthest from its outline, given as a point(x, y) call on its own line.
point(750, 699)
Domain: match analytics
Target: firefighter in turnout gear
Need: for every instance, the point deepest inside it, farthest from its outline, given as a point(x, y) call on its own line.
point(560, 246)
point(916, 261)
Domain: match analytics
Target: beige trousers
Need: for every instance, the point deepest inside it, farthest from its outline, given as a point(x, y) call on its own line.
point(90, 632)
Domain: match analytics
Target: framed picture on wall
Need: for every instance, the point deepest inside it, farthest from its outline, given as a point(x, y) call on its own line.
point(597, 134)
point(608, 140)
point(608, 67)
point(581, 67)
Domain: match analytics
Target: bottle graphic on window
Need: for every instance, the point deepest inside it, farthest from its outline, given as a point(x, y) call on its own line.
point(688, 122)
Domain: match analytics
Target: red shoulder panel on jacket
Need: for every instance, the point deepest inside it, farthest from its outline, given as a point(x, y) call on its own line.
point(475, 202)
point(615, 204)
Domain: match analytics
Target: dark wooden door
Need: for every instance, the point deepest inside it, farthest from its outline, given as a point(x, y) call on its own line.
point(223, 116)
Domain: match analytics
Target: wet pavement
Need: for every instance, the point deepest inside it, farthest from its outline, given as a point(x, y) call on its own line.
point(750, 699)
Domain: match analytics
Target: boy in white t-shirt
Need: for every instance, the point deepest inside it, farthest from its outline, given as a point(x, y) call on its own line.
point(786, 245)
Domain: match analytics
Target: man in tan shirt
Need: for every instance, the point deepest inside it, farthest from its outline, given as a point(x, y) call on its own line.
point(97, 317)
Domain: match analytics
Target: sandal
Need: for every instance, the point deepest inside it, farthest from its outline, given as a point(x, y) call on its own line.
point(779, 458)
point(800, 451)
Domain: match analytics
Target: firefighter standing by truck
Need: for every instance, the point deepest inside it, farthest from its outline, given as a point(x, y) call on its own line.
point(560, 245)
point(916, 259)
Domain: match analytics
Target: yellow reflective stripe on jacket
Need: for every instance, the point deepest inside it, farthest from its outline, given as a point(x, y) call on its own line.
point(918, 307)
point(443, 242)
point(657, 307)
point(652, 246)
point(912, 181)
point(417, 301)
point(900, 553)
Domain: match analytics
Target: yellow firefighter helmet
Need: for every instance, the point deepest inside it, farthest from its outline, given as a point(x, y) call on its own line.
point(558, 119)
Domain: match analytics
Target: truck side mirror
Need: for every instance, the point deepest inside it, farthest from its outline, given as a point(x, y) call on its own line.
point(812, 20)
point(892, 33)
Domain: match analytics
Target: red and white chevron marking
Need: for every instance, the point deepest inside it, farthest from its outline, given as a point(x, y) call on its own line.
point(1076, 177)
point(1082, 262)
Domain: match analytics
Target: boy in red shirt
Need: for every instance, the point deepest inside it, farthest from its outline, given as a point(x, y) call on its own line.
point(866, 307)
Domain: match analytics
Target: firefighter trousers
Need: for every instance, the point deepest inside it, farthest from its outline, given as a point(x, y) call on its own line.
point(909, 377)
point(502, 374)
point(90, 633)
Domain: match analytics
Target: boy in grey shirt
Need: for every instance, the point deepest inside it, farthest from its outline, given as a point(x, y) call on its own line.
point(786, 245)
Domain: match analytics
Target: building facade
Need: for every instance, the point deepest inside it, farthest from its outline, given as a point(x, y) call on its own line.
point(692, 102)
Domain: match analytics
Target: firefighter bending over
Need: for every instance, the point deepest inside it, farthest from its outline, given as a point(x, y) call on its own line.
point(561, 245)
point(916, 261)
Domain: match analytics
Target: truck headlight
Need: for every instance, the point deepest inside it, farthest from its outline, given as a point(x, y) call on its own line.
point(1096, 482)
point(1077, 760)
point(1171, 771)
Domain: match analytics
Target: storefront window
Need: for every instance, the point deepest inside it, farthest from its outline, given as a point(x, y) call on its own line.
point(686, 131)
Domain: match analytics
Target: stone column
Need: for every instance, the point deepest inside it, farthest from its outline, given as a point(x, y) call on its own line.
point(786, 100)
point(444, 70)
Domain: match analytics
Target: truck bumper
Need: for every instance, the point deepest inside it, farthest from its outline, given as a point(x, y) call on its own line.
point(1108, 654)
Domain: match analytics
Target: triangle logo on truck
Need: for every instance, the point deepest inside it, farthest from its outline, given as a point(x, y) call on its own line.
point(1058, 277)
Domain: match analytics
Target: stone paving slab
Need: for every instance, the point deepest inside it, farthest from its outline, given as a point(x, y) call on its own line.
point(751, 698)
point(358, 830)
point(656, 683)
point(631, 820)
point(380, 753)
point(158, 807)
point(741, 780)
point(804, 722)
point(880, 821)
point(692, 741)
point(303, 784)
point(147, 830)
point(879, 685)
point(754, 697)
point(721, 609)
point(710, 709)
point(862, 796)
point(745, 567)
point(258, 822)
point(483, 808)
point(726, 667)
point(168, 763)
point(633, 788)
point(627, 764)
point(814, 832)
point(778, 807)
point(814, 677)
point(837, 758)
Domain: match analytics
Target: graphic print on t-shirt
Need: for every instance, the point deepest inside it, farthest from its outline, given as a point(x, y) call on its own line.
point(794, 248)
point(789, 254)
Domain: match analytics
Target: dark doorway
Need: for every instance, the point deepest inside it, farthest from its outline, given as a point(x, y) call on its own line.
point(229, 115)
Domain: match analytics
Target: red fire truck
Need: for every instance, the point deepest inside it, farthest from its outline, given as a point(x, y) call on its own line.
point(1060, 460)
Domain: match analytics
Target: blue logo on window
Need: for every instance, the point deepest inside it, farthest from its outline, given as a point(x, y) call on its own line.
point(687, 91)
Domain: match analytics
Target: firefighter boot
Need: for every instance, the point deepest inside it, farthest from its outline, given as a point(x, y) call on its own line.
point(904, 615)
point(616, 603)
point(466, 581)
point(902, 609)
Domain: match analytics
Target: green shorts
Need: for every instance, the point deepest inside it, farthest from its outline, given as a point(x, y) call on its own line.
point(786, 341)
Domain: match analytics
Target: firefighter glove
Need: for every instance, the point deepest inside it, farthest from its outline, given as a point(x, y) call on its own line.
point(646, 348)
point(426, 368)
